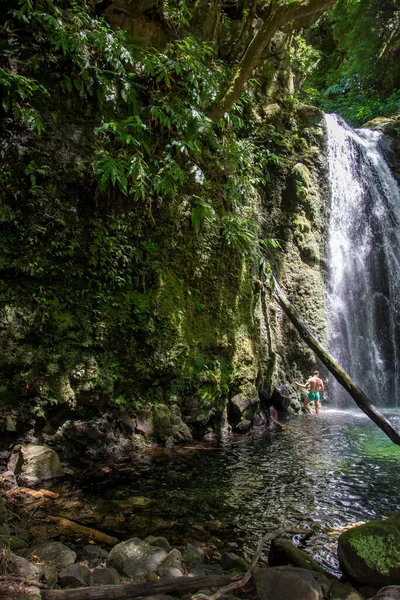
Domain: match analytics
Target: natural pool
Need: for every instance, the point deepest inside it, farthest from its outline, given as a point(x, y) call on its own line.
point(321, 472)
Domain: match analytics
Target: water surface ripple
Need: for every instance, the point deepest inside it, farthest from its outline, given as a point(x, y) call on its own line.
point(321, 472)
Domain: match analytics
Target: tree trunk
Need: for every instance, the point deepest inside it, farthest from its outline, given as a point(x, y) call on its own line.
point(340, 374)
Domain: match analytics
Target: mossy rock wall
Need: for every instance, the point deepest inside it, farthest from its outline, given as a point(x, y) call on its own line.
point(110, 301)
point(298, 214)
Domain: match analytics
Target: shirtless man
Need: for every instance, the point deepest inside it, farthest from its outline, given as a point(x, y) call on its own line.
point(314, 385)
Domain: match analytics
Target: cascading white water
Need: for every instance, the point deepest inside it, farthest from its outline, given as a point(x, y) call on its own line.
point(364, 263)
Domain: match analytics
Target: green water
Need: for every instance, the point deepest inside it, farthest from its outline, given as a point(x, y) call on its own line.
point(321, 472)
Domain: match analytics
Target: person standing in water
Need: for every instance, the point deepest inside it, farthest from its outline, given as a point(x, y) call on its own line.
point(314, 385)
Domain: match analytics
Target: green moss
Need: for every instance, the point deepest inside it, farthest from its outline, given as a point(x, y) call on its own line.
point(380, 553)
point(373, 551)
point(344, 591)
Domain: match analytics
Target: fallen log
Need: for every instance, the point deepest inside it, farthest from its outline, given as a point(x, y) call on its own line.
point(340, 374)
point(93, 534)
point(126, 591)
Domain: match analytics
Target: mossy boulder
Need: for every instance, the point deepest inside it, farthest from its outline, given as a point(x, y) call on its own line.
point(344, 591)
point(242, 409)
point(168, 425)
point(284, 552)
point(370, 554)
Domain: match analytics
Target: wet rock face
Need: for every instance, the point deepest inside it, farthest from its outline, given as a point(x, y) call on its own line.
point(370, 554)
point(38, 462)
point(168, 425)
point(141, 19)
point(242, 410)
point(280, 398)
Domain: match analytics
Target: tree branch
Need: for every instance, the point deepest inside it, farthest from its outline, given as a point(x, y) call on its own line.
point(282, 16)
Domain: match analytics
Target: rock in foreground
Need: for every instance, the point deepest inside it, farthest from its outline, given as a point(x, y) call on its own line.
point(370, 554)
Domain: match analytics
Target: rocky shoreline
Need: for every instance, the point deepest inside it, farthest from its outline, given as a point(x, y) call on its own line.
point(72, 432)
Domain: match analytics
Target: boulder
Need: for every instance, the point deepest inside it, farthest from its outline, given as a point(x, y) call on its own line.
point(173, 559)
point(265, 398)
point(40, 462)
point(284, 552)
point(13, 542)
point(242, 409)
point(370, 554)
point(344, 591)
point(243, 426)
point(49, 574)
point(390, 592)
point(192, 555)
point(28, 481)
point(144, 423)
point(168, 424)
point(135, 557)
point(54, 553)
point(159, 541)
point(105, 576)
point(280, 398)
point(171, 566)
point(233, 562)
point(17, 565)
point(284, 583)
point(77, 575)
point(169, 572)
point(94, 555)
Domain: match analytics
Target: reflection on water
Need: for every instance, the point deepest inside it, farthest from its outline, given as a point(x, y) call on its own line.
point(321, 472)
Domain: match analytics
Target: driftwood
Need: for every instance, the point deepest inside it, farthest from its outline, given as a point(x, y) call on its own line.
point(268, 537)
point(33, 493)
point(340, 374)
point(93, 534)
point(180, 586)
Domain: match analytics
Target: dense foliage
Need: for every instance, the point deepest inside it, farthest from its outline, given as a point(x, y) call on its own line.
point(120, 200)
point(358, 73)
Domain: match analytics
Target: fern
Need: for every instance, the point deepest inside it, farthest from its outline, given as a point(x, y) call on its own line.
point(202, 211)
point(111, 171)
point(18, 91)
point(239, 233)
point(138, 171)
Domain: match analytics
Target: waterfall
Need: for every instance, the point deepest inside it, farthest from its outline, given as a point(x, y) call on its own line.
point(363, 295)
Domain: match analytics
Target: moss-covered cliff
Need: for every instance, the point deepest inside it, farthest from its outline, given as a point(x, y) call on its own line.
point(136, 233)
